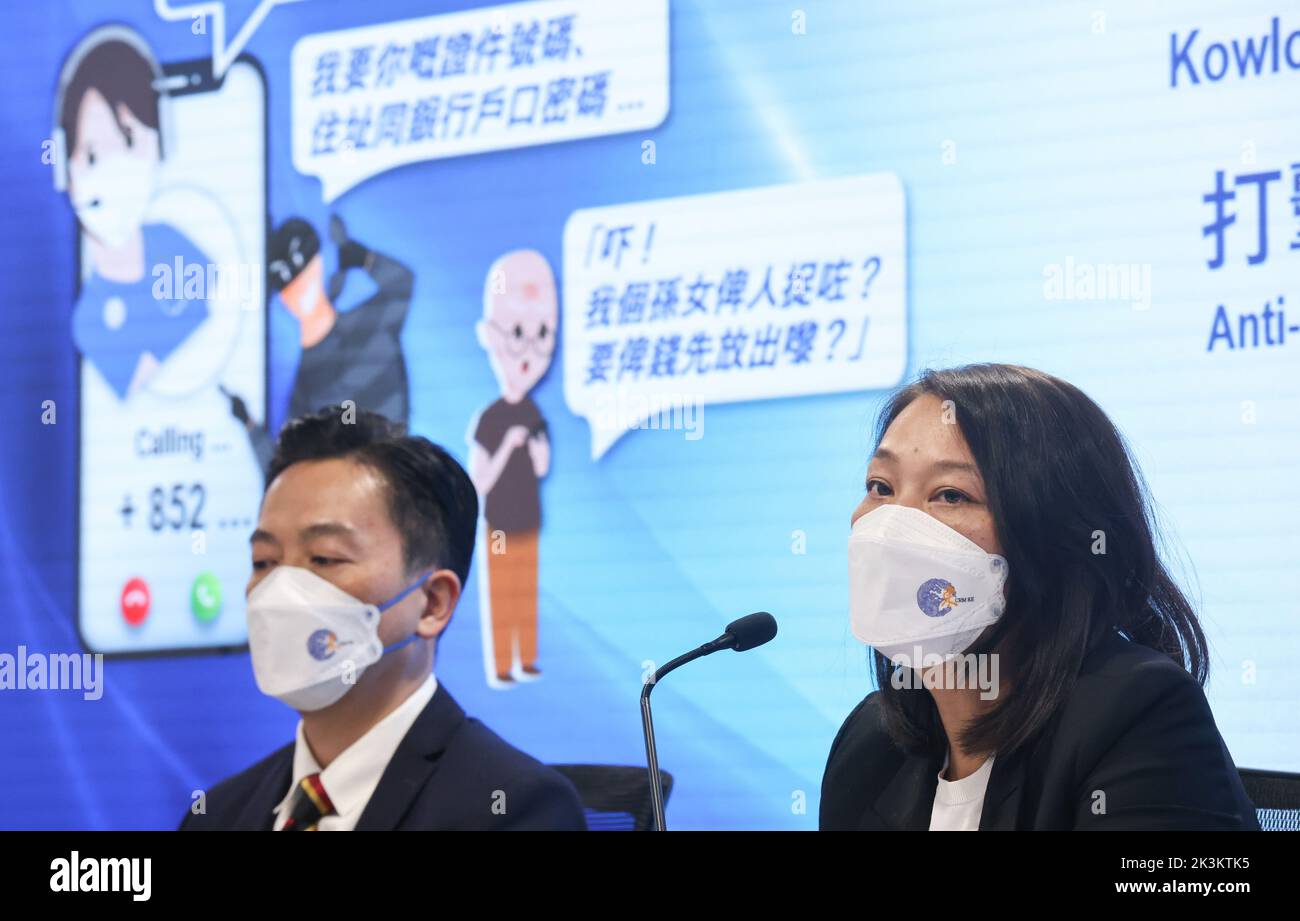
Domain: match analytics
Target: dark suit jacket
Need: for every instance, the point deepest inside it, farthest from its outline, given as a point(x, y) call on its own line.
point(1135, 727)
point(444, 776)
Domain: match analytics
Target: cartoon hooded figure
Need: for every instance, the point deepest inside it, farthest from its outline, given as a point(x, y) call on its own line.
point(510, 454)
point(352, 354)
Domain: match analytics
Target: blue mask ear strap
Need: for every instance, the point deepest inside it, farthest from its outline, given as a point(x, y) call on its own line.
point(406, 591)
point(388, 604)
point(401, 643)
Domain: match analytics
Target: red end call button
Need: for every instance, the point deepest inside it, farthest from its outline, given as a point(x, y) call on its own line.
point(135, 601)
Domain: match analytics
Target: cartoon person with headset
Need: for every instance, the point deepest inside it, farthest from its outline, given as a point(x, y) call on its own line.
point(110, 115)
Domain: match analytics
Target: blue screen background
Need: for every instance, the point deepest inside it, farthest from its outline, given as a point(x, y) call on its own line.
point(1022, 136)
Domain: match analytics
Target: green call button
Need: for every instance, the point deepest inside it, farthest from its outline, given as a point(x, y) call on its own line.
point(205, 598)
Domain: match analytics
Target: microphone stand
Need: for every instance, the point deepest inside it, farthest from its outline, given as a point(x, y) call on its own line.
point(647, 725)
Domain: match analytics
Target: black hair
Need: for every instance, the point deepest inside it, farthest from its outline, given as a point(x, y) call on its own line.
point(123, 76)
point(1058, 477)
point(431, 499)
point(288, 250)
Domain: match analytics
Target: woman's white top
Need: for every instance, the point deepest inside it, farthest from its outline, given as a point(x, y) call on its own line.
point(958, 804)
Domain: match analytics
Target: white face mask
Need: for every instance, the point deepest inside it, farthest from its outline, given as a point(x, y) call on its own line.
point(917, 588)
point(113, 196)
point(310, 640)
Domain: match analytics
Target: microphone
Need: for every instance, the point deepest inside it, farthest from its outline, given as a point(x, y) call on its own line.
point(741, 635)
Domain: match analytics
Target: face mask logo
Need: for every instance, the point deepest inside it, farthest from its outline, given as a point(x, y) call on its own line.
point(937, 597)
point(323, 644)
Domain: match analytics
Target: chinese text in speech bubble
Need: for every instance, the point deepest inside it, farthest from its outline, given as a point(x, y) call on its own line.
point(746, 295)
point(369, 99)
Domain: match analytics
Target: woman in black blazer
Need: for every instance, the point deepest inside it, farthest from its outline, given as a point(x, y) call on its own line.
point(1098, 720)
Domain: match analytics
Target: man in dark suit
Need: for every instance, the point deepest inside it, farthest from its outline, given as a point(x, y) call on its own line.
point(1134, 748)
point(363, 542)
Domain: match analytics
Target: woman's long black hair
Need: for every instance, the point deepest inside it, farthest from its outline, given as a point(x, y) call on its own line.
point(1060, 484)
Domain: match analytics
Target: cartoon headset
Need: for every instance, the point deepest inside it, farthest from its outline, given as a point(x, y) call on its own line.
point(114, 63)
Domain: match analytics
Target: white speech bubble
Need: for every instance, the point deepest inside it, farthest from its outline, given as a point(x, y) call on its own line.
point(370, 99)
point(223, 53)
point(721, 298)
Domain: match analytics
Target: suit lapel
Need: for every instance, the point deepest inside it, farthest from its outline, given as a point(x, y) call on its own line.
point(905, 803)
point(1003, 795)
point(258, 813)
point(907, 800)
point(413, 763)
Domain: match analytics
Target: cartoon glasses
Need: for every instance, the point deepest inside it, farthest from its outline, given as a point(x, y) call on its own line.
point(517, 341)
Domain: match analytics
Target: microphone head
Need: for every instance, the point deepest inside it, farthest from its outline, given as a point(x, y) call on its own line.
point(752, 630)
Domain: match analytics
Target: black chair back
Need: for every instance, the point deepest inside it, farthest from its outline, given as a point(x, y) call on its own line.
point(615, 797)
point(1276, 796)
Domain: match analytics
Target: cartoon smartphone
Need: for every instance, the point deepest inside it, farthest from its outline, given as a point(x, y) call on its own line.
point(166, 171)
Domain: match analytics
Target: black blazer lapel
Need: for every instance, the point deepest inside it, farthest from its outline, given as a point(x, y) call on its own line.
point(413, 763)
point(1003, 795)
point(258, 812)
point(906, 801)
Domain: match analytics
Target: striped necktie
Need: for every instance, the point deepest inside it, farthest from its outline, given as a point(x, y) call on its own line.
point(310, 802)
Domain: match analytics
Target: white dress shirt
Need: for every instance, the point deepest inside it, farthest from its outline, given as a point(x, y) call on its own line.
point(958, 804)
point(351, 778)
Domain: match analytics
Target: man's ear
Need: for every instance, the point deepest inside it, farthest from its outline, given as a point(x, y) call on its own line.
point(441, 592)
point(480, 330)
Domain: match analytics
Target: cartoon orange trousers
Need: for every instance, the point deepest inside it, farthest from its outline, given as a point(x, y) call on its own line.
point(512, 589)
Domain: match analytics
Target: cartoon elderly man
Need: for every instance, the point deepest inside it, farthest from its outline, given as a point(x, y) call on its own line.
point(510, 454)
